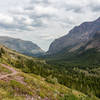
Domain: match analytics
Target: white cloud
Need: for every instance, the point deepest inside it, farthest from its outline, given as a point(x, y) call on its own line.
point(42, 10)
point(28, 21)
point(6, 19)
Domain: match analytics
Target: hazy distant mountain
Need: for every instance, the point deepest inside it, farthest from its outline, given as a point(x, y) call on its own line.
point(24, 47)
point(79, 36)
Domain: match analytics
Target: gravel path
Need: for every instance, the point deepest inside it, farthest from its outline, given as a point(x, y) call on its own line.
point(14, 72)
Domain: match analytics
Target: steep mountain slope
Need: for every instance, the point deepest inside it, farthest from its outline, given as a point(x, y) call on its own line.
point(94, 42)
point(76, 38)
point(86, 54)
point(18, 85)
point(24, 47)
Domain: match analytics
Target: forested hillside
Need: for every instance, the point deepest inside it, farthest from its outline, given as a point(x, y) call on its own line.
point(79, 71)
point(18, 80)
point(26, 83)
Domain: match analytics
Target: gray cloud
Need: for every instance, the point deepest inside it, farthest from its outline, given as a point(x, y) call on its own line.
point(96, 8)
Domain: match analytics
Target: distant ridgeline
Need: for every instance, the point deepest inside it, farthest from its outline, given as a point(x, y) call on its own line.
point(21, 46)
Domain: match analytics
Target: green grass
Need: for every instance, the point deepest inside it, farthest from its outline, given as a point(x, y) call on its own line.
point(35, 85)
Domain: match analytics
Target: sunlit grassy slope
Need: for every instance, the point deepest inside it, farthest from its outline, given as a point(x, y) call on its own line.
point(29, 86)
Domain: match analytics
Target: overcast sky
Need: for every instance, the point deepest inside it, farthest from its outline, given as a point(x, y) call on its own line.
point(42, 21)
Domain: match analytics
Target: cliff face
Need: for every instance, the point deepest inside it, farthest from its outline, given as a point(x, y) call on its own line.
point(77, 37)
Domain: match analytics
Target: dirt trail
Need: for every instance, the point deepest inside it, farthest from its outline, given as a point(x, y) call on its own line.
point(14, 72)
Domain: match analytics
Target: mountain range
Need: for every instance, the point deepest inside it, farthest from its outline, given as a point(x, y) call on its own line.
point(25, 47)
point(79, 37)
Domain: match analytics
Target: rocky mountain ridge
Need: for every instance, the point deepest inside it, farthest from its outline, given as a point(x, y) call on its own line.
point(77, 37)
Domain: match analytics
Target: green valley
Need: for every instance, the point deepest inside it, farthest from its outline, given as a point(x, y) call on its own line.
point(24, 81)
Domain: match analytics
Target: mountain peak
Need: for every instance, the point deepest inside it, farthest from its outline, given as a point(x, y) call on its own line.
point(98, 20)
